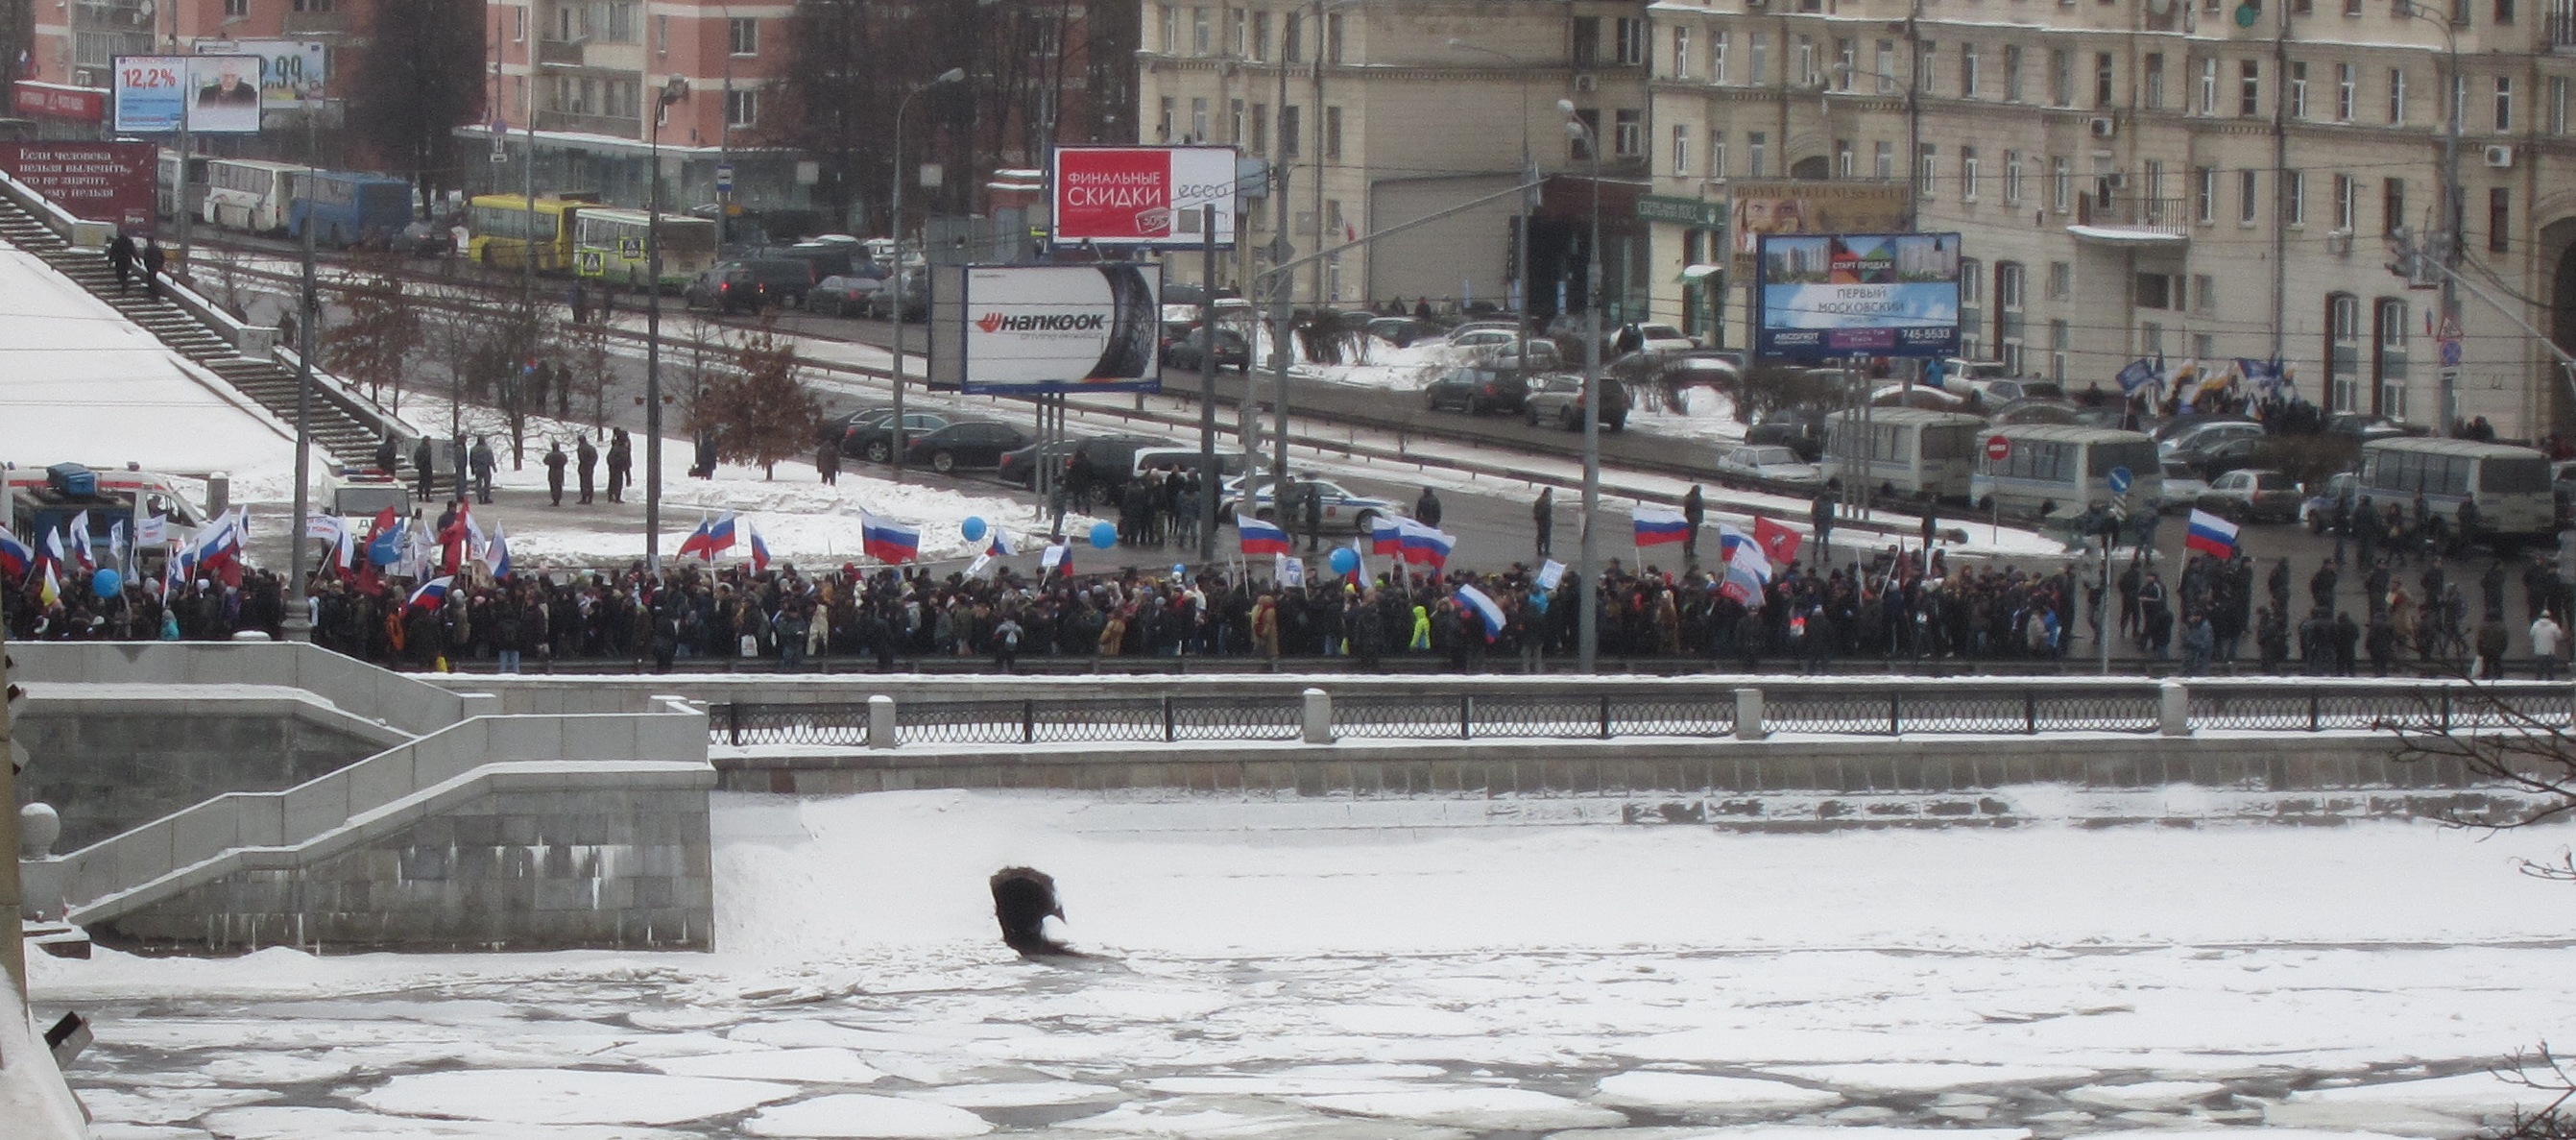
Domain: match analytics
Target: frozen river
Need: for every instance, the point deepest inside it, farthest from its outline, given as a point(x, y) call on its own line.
point(1420, 969)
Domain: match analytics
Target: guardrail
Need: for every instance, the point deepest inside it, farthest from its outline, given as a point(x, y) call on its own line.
point(2023, 707)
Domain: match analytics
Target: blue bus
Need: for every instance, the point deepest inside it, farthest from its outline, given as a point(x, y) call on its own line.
point(347, 209)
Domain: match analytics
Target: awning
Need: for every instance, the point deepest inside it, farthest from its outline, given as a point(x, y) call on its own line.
point(2132, 235)
point(1703, 269)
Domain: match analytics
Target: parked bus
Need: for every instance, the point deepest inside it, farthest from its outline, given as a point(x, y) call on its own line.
point(2061, 470)
point(166, 190)
point(250, 194)
point(1911, 451)
point(346, 209)
point(2509, 484)
point(608, 245)
point(505, 229)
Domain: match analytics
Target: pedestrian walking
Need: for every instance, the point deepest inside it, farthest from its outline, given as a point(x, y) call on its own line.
point(556, 461)
point(1694, 513)
point(154, 258)
point(120, 257)
point(621, 465)
point(586, 458)
point(1543, 519)
point(2547, 639)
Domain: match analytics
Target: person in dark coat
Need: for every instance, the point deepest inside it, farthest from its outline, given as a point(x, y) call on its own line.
point(389, 457)
point(586, 458)
point(1314, 516)
point(1543, 518)
point(621, 465)
point(1694, 513)
point(120, 257)
point(424, 458)
point(1426, 509)
point(154, 258)
point(556, 461)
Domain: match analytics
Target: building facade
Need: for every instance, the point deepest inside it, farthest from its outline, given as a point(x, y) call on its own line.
point(71, 47)
point(2191, 179)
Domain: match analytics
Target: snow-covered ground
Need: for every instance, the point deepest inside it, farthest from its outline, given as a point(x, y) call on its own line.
point(1304, 969)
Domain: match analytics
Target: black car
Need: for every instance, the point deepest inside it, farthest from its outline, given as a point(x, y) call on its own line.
point(1798, 430)
point(1559, 400)
point(916, 297)
point(836, 427)
point(1020, 467)
point(1189, 353)
point(727, 288)
point(967, 444)
point(873, 440)
point(1477, 391)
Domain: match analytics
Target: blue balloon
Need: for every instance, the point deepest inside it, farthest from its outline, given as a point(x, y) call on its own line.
point(1345, 560)
point(974, 528)
point(106, 583)
point(1104, 535)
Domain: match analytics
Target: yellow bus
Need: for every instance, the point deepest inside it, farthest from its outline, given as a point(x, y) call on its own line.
point(505, 230)
point(608, 245)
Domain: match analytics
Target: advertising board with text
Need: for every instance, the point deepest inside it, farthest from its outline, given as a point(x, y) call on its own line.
point(214, 94)
point(1843, 295)
point(55, 101)
point(1028, 329)
point(1141, 195)
point(1788, 206)
point(96, 182)
point(291, 72)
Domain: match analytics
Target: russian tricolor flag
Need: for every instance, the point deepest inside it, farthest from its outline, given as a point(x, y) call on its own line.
point(496, 555)
point(1386, 536)
point(1659, 526)
point(888, 541)
point(431, 594)
point(15, 557)
point(2211, 535)
point(1427, 546)
point(710, 539)
point(1485, 608)
point(1260, 537)
point(759, 551)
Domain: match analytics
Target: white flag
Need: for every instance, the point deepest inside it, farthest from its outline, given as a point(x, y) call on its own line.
point(1290, 571)
point(1550, 573)
point(152, 531)
point(976, 568)
point(1054, 556)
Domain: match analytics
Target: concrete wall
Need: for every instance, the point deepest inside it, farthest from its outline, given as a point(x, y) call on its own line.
point(353, 686)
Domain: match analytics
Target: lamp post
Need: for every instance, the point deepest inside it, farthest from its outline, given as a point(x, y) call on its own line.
point(297, 624)
point(952, 75)
point(2452, 213)
point(676, 88)
point(1520, 220)
point(1588, 628)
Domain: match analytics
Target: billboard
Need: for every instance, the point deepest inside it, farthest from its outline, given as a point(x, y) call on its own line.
point(291, 72)
point(217, 94)
point(96, 182)
point(1141, 195)
point(1806, 207)
point(55, 101)
point(1026, 329)
point(1839, 295)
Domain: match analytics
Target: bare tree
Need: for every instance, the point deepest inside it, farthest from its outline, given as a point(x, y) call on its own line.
point(758, 410)
point(375, 344)
point(424, 80)
point(588, 371)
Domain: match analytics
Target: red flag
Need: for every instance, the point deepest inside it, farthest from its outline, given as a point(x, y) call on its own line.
point(1779, 543)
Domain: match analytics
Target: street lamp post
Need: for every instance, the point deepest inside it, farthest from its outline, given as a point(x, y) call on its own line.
point(1588, 627)
point(672, 92)
point(2452, 211)
point(1520, 220)
point(297, 624)
point(952, 75)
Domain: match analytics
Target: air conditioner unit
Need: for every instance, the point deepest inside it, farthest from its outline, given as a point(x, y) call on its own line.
point(2339, 242)
point(2116, 180)
point(2105, 126)
point(2500, 156)
point(1586, 81)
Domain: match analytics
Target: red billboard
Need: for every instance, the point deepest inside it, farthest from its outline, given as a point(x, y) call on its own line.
point(95, 182)
point(55, 101)
point(1142, 195)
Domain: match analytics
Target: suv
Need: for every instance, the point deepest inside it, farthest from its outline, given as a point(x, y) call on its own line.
point(1189, 353)
point(1559, 400)
point(1476, 391)
point(750, 284)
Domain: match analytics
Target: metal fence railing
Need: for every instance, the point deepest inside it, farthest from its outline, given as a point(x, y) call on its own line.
point(2025, 707)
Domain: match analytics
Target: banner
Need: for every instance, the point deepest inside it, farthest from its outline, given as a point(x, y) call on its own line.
point(96, 182)
point(1141, 195)
point(291, 72)
point(1844, 295)
point(215, 94)
point(1798, 207)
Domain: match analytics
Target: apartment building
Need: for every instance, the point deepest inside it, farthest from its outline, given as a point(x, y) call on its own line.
point(1381, 114)
point(2197, 179)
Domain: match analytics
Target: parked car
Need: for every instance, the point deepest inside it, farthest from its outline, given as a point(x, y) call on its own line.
point(2183, 486)
point(835, 427)
point(1189, 353)
point(1344, 509)
point(1398, 331)
point(2006, 389)
point(874, 440)
point(975, 445)
point(1559, 400)
point(1766, 463)
point(1799, 430)
point(2252, 495)
point(2203, 436)
point(2334, 503)
point(916, 297)
point(1182, 457)
point(726, 288)
point(1020, 466)
point(1105, 463)
point(1663, 338)
point(842, 295)
point(1476, 391)
point(2365, 428)
point(2180, 425)
point(2231, 454)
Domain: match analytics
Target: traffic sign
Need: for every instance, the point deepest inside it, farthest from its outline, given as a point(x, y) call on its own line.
point(2120, 479)
point(724, 178)
point(1998, 448)
point(2450, 352)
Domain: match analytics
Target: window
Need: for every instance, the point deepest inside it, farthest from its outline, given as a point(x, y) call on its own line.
point(2558, 104)
point(2155, 189)
point(1581, 148)
point(2060, 339)
point(1927, 70)
point(2154, 94)
point(1292, 37)
point(2249, 87)
point(1260, 39)
point(2389, 314)
point(1716, 155)
point(2012, 73)
point(1967, 174)
point(2345, 207)
point(2343, 352)
point(1842, 158)
point(2204, 293)
point(1929, 163)
point(2499, 220)
point(2396, 96)
point(2103, 74)
point(1332, 133)
point(1202, 33)
point(2208, 104)
point(1968, 71)
point(1846, 65)
point(1261, 129)
point(2062, 184)
point(2061, 78)
point(2298, 90)
point(1681, 52)
point(1806, 62)
point(2294, 197)
point(1238, 33)
point(2246, 210)
point(2343, 93)
point(742, 108)
point(661, 34)
point(1628, 136)
point(1632, 40)
point(1163, 118)
point(2151, 337)
point(1333, 25)
point(2391, 319)
point(2061, 281)
point(1681, 151)
point(1291, 136)
point(1757, 62)
point(1886, 76)
point(2503, 103)
point(620, 22)
point(1234, 123)
point(2504, 11)
point(2012, 178)
point(1720, 48)
point(2392, 204)
point(742, 35)
point(1756, 154)
point(1882, 160)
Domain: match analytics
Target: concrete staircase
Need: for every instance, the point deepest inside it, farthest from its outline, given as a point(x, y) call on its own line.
point(344, 436)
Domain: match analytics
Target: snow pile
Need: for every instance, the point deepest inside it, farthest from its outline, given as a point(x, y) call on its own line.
point(33, 1098)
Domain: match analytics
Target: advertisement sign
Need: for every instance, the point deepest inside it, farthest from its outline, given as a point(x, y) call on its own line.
point(1831, 295)
point(1026, 329)
point(95, 182)
point(1141, 195)
point(1800, 207)
point(54, 101)
point(291, 72)
point(218, 94)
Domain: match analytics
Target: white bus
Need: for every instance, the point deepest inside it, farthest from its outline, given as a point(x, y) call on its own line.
point(249, 194)
point(1910, 451)
point(2060, 470)
point(2509, 484)
point(165, 194)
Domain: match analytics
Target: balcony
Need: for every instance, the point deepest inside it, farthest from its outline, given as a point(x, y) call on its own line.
point(609, 125)
point(2560, 26)
point(2117, 219)
point(566, 53)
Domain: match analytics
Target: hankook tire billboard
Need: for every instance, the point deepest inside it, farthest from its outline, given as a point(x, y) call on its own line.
point(1028, 329)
